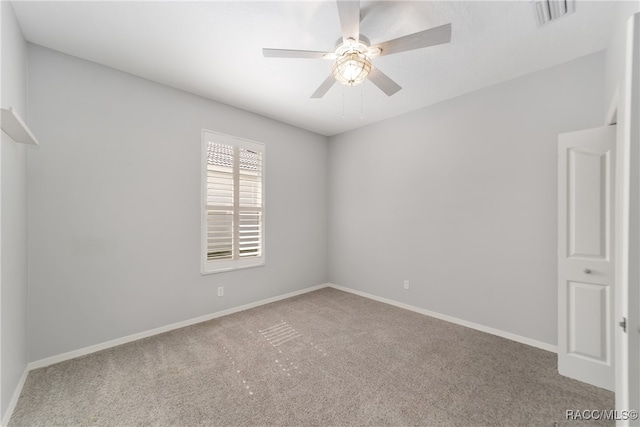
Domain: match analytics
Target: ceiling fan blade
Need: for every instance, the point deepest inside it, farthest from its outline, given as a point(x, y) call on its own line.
point(430, 37)
point(292, 53)
point(349, 12)
point(384, 82)
point(324, 87)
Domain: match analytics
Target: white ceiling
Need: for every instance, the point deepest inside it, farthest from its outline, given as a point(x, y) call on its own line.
point(214, 49)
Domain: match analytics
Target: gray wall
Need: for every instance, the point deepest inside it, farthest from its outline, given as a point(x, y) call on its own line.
point(13, 215)
point(114, 193)
point(114, 190)
point(460, 199)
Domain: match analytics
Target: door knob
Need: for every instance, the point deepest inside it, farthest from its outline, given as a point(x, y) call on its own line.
point(587, 271)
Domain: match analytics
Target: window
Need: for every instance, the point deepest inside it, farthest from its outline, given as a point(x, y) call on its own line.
point(233, 203)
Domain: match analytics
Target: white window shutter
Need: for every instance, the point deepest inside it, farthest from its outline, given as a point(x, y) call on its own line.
point(250, 203)
point(220, 201)
point(234, 205)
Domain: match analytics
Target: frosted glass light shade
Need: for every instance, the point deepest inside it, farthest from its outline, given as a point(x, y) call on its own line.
point(351, 68)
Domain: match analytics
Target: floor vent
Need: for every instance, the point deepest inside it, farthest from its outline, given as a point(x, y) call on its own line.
point(547, 11)
point(279, 334)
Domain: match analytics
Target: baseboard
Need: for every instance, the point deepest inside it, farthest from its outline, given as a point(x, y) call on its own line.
point(14, 399)
point(119, 341)
point(451, 319)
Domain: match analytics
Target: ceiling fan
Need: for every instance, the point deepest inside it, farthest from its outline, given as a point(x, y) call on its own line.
point(353, 54)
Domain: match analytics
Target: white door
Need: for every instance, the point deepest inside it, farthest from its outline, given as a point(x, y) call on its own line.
point(586, 175)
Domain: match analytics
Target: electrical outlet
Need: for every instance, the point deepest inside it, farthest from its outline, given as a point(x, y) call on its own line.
point(406, 284)
point(220, 291)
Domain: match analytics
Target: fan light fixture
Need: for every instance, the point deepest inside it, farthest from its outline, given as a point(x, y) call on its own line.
point(352, 64)
point(351, 68)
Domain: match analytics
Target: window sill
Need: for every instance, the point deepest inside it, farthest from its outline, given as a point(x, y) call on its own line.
point(234, 268)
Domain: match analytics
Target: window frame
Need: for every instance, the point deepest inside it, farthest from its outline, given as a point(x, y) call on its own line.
point(219, 266)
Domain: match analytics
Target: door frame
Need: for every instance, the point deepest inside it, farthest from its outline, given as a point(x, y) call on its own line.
point(625, 110)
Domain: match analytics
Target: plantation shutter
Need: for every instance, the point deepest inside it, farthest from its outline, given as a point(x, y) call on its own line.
point(249, 203)
point(220, 201)
point(234, 202)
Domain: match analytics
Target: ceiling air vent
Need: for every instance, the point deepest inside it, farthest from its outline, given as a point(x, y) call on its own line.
point(547, 11)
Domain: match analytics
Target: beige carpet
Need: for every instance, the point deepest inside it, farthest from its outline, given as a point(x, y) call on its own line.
point(322, 358)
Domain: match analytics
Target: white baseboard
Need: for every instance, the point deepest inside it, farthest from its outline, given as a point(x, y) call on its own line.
point(472, 325)
point(119, 341)
point(108, 344)
point(14, 399)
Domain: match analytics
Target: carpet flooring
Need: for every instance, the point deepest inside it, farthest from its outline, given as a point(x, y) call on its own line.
point(325, 358)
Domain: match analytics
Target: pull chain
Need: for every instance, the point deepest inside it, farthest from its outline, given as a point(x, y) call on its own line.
point(343, 101)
